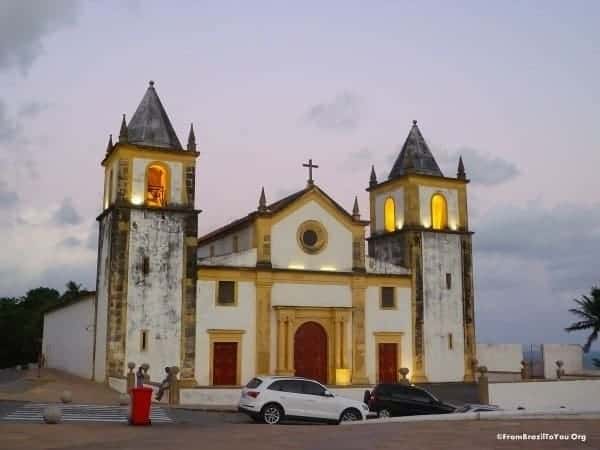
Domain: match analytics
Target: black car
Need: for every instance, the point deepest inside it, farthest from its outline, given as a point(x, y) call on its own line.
point(405, 400)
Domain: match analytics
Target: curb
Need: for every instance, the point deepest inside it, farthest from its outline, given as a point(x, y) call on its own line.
point(491, 415)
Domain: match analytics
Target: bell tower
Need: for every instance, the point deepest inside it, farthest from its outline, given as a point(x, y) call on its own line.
point(146, 281)
point(419, 220)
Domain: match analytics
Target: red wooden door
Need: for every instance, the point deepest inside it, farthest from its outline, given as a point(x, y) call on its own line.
point(388, 357)
point(224, 363)
point(310, 352)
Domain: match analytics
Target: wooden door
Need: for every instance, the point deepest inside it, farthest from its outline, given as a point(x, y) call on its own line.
point(225, 363)
point(388, 363)
point(310, 352)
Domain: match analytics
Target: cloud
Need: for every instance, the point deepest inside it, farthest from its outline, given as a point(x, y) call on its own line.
point(529, 264)
point(23, 25)
point(343, 113)
point(360, 159)
point(70, 242)
point(8, 127)
point(32, 109)
point(481, 168)
point(66, 214)
point(8, 198)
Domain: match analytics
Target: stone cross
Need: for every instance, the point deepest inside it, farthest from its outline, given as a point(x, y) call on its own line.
point(310, 166)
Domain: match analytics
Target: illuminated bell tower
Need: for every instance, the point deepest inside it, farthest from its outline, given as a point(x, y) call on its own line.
point(419, 220)
point(146, 281)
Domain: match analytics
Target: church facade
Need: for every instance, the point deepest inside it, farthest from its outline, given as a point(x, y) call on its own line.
point(294, 286)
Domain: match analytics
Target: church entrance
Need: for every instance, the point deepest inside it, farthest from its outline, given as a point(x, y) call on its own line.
point(310, 352)
point(224, 363)
point(388, 357)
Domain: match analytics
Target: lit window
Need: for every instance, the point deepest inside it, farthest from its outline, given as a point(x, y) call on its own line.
point(388, 297)
point(156, 190)
point(389, 214)
point(226, 293)
point(439, 212)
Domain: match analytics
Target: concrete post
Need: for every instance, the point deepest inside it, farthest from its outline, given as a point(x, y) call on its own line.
point(173, 386)
point(146, 368)
point(483, 386)
point(130, 376)
point(560, 372)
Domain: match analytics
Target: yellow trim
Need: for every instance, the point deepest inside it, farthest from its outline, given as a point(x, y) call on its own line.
point(218, 335)
point(395, 306)
point(388, 337)
point(235, 294)
point(319, 230)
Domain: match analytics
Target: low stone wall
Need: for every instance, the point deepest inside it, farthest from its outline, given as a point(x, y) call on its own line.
point(571, 355)
point(546, 395)
point(500, 376)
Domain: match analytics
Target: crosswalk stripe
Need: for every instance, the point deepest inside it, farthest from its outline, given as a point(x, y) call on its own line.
point(84, 413)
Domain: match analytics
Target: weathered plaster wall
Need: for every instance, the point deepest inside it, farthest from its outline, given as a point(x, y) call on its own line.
point(224, 246)
point(382, 266)
point(103, 274)
point(398, 196)
point(397, 320)
point(286, 251)
point(500, 357)
point(583, 395)
point(239, 317)
point(570, 354)
point(322, 295)
point(68, 338)
point(442, 307)
point(425, 194)
point(138, 187)
point(154, 299)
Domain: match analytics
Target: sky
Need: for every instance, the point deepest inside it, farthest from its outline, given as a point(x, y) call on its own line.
point(511, 86)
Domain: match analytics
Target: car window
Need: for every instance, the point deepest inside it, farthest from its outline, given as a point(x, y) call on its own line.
point(254, 383)
point(312, 388)
point(293, 386)
point(418, 396)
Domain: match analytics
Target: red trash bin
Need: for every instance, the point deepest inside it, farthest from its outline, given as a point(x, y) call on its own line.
point(141, 401)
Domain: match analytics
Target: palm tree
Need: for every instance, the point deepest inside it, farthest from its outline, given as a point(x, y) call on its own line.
point(589, 310)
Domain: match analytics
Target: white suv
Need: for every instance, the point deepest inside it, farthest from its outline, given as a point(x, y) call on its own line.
point(271, 399)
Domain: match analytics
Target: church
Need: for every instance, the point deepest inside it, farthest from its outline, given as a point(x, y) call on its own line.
point(296, 286)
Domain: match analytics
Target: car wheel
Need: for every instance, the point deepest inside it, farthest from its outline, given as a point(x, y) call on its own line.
point(385, 414)
point(272, 414)
point(350, 415)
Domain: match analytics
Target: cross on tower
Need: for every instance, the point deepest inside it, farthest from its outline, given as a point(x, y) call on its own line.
point(310, 166)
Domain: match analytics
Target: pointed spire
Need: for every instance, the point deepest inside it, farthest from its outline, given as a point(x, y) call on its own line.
point(415, 156)
point(373, 179)
point(355, 210)
point(124, 132)
point(460, 173)
point(110, 145)
point(191, 144)
point(262, 202)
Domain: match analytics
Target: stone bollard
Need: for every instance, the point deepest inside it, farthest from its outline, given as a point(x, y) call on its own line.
point(124, 399)
point(403, 371)
point(524, 370)
point(52, 414)
point(560, 372)
point(66, 397)
point(173, 386)
point(483, 386)
point(146, 368)
point(130, 376)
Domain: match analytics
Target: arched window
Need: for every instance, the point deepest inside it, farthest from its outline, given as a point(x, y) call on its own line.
point(439, 212)
point(389, 215)
point(156, 188)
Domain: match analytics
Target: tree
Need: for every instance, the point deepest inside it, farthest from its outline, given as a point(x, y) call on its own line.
point(589, 310)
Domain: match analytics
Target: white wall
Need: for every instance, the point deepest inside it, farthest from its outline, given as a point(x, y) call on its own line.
point(138, 187)
point(322, 295)
point(239, 317)
point(547, 395)
point(246, 258)
point(570, 354)
point(500, 357)
point(102, 299)
point(442, 307)
point(154, 300)
point(224, 245)
point(68, 338)
point(397, 320)
point(425, 194)
point(398, 196)
point(286, 251)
